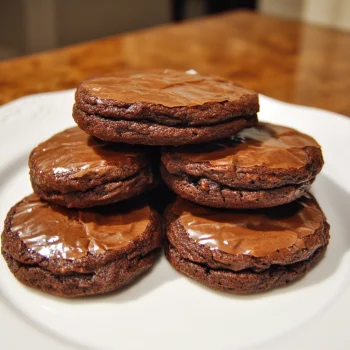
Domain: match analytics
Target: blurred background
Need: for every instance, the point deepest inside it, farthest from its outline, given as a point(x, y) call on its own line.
point(29, 26)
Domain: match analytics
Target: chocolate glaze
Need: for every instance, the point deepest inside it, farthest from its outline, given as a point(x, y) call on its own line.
point(265, 145)
point(256, 233)
point(54, 231)
point(75, 153)
point(168, 88)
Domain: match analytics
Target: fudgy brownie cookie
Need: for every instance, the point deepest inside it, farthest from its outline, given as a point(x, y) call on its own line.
point(71, 253)
point(163, 108)
point(245, 251)
point(263, 166)
point(76, 170)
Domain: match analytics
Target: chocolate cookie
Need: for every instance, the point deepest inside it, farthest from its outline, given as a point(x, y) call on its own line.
point(242, 282)
point(76, 170)
point(245, 251)
point(163, 108)
point(263, 166)
point(71, 253)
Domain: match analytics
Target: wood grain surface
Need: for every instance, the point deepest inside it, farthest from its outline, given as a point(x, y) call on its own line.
point(286, 60)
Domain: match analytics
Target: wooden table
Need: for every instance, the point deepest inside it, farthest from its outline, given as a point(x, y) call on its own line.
point(283, 59)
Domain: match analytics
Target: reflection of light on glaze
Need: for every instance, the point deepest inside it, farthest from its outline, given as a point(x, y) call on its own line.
point(168, 88)
point(267, 145)
point(51, 230)
point(191, 71)
point(60, 170)
point(73, 151)
point(256, 233)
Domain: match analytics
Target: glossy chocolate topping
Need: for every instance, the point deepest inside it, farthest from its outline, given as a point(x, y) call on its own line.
point(265, 145)
point(168, 88)
point(54, 231)
point(257, 233)
point(76, 153)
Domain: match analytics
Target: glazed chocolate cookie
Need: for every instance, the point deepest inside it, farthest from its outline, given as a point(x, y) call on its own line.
point(71, 253)
point(163, 108)
point(76, 170)
point(245, 251)
point(263, 166)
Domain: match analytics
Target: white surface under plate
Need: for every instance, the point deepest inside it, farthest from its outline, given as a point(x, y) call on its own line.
point(165, 310)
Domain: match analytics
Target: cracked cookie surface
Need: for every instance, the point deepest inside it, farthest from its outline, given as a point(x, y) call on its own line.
point(263, 166)
point(71, 253)
point(266, 247)
point(76, 170)
point(163, 107)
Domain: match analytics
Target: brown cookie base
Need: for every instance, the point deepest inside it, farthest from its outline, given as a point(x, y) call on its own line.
point(111, 192)
point(105, 279)
point(151, 133)
point(204, 114)
point(217, 259)
point(244, 282)
point(87, 275)
point(210, 193)
point(253, 178)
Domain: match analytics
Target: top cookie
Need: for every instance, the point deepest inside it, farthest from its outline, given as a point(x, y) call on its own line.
point(163, 107)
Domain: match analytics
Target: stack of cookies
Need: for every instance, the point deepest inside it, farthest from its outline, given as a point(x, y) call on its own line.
point(243, 221)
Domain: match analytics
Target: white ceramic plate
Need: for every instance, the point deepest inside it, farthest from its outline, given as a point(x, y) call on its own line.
point(165, 310)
